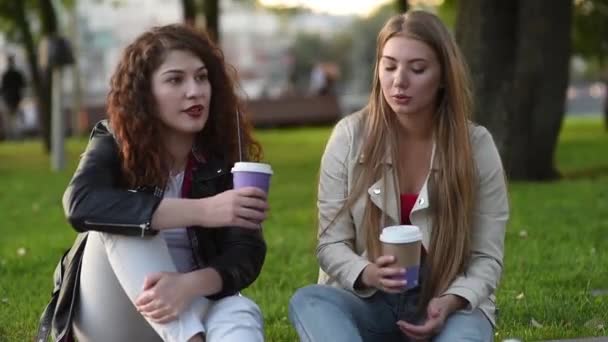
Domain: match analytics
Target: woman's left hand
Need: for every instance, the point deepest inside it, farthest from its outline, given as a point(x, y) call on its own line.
point(165, 295)
point(437, 311)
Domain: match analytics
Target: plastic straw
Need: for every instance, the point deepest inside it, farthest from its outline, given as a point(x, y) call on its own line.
point(238, 131)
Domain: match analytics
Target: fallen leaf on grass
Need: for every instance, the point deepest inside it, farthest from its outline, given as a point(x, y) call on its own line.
point(594, 323)
point(535, 323)
point(523, 234)
point(520, 296)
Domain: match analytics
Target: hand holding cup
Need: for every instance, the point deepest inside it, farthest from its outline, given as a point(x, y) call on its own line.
point(251, 180)
point(244, 207)
point(384, 276)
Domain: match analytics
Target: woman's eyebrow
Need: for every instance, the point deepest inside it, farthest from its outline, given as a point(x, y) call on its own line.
point(180, 71)
point(413, 60)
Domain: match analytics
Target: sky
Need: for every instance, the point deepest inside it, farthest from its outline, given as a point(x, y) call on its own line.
point(336, 7)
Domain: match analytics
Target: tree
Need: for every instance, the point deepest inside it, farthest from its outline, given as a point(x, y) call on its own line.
point(48, 19)
point(189, 12)
point(590, 38)
point(401, 6)
point(16, 15)
point(519, 52)
point(210, 10)
point(212, 22)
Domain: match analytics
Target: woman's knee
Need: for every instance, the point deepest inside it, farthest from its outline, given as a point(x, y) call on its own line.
point(238, 308)
point(303, 296)
point(312, 296)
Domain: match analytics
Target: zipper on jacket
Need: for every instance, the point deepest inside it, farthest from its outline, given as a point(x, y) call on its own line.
point(143, 226)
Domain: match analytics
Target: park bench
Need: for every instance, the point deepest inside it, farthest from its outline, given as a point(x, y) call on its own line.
point(294, 110)
point(279, 112)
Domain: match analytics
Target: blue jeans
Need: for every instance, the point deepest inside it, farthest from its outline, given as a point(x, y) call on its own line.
point(324, 313)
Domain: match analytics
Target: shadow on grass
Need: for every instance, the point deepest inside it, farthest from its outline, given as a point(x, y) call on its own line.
point(588, 173)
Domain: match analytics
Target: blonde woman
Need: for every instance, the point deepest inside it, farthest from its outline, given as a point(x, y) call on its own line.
point(410, 157)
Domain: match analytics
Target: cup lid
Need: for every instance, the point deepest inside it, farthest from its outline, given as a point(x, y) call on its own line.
point(252, 167)
point(401, 234)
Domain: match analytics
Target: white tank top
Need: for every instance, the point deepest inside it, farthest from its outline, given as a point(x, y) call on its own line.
point(177, 238)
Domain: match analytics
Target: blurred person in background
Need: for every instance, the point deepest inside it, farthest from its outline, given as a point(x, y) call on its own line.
point(166, 243)
point(11, 89)
point(411, 156)
point(323, 77)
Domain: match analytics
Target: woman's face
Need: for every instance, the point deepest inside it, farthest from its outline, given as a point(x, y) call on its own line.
point(182, 92)
point(410, 76)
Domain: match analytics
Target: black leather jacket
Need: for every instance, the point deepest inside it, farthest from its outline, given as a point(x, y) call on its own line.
point(96, 200)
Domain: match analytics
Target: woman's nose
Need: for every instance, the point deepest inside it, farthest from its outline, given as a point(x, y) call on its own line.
point(194, 89)
point(401, 80)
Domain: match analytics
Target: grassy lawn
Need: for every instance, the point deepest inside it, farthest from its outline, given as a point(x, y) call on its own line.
point(556, 249)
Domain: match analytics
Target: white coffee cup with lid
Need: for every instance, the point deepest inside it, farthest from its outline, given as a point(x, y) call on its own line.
point(404, 243)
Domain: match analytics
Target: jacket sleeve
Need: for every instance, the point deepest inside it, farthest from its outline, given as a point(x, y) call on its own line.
point(94, 199)
point(484, 270)
point(241, 256)
point(337, 234)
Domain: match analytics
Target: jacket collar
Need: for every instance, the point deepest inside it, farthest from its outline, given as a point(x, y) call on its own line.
point(206, 169)
point(388, 157)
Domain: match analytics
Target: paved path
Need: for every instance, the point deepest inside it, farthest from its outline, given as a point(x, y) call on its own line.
point(590, 339)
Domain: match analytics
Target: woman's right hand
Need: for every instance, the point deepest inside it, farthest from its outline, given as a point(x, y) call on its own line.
point(244, 207)
point(383, 277)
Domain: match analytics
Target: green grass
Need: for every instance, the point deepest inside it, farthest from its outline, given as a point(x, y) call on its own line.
point(562, 259)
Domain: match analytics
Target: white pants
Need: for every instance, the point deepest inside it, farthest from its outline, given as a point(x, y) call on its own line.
point(111, 279)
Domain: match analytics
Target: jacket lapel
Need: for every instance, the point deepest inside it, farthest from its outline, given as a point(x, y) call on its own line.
point(382, 193)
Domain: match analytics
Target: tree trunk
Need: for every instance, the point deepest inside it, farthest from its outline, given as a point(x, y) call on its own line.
point(189, 12)
point(606, 105)
point(49, 30)
point(401, 6)
point(604, 79)
point(487, 35)
point(518, 52)
point(212, 13)
point(541, 81)
point(30, 48)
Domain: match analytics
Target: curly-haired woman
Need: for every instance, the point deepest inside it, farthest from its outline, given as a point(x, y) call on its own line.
point(166, 244)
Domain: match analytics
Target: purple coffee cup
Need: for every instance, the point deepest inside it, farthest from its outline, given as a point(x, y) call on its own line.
point(251, 174)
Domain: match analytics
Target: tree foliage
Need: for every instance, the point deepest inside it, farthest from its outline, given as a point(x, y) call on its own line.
point(590, 31)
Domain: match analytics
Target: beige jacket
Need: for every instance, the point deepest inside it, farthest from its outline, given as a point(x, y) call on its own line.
point(341, 249)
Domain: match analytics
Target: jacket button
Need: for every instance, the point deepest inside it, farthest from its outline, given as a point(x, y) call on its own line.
point(377, 191)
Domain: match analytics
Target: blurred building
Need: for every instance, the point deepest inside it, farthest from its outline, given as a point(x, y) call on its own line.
point(256, 41)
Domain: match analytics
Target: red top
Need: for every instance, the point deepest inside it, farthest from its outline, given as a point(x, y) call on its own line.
point(407, 204)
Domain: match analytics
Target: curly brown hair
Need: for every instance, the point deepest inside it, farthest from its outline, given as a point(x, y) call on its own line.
point(134, 120)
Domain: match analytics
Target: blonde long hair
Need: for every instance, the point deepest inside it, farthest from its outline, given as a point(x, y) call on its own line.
point(451, 187)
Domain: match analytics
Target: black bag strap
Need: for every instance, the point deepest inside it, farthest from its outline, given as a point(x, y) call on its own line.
point(46, 319)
